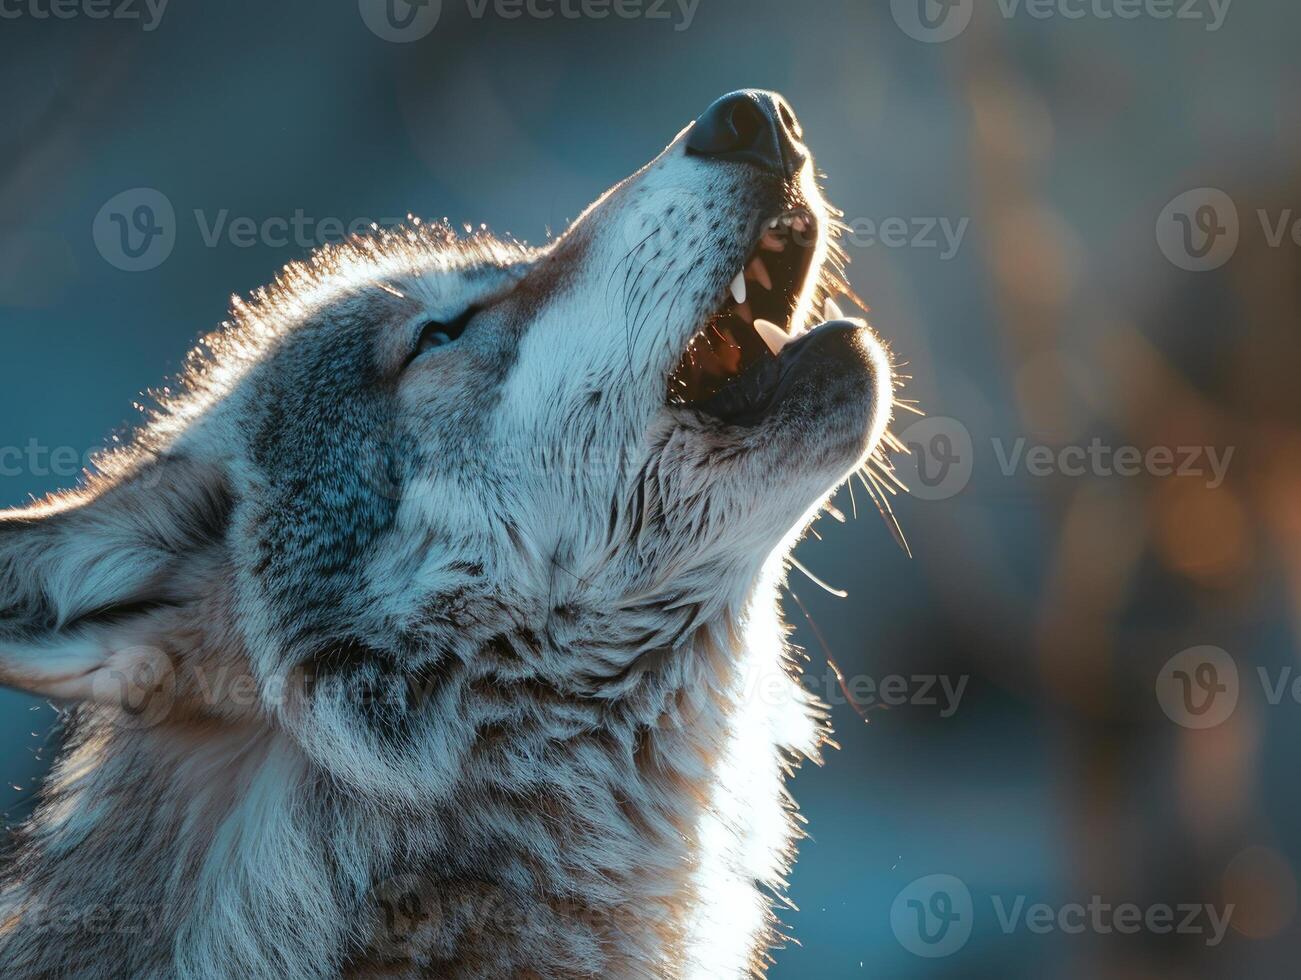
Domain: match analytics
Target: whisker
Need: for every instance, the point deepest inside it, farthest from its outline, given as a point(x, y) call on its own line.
point(838, 593)
point(826, 653)
point(887, 514)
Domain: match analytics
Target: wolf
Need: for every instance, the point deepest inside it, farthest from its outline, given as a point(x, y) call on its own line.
point(428, 626)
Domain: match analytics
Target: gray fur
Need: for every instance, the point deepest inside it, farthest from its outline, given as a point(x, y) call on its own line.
point(469, 668)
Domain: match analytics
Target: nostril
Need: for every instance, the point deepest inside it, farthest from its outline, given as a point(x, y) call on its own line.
point(789, 121)
point(748, 123)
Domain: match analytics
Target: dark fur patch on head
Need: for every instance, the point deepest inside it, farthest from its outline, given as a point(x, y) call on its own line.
point(331, 456)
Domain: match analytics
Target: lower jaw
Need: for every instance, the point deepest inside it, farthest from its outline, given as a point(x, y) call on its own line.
point(759, 390)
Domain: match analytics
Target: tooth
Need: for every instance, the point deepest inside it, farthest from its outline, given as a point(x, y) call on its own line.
point(774, 222)
point(831, 311)
point(774, 336)
point(738, 288)
point(760, 273)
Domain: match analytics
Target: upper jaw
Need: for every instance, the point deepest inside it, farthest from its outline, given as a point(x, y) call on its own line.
point(777, 278)
point(733, 363)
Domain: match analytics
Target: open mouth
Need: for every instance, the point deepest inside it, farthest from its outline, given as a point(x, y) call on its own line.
point(732, 368)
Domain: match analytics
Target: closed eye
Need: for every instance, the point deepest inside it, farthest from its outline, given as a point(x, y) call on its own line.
point(439, 333)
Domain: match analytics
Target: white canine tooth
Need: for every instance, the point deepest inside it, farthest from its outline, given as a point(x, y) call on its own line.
point(774, 336)
point(831, 311)
point(738, 288)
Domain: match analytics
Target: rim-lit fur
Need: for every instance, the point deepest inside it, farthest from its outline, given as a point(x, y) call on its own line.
point(465, 666)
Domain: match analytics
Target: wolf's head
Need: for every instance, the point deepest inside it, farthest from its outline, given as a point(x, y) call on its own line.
point(421, 460)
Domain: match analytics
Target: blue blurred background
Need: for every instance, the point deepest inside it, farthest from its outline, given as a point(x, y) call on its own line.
point(1058, 317)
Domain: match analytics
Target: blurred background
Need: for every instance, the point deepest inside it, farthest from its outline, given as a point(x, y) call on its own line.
point(1075, 222)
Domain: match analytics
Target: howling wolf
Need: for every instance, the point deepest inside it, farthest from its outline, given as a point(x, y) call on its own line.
point(429, 628)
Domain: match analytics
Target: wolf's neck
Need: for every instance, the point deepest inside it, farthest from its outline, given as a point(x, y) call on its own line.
point(170, 852)
point(620, 839)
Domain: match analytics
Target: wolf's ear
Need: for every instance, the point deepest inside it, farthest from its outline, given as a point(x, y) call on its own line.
point(81, 575)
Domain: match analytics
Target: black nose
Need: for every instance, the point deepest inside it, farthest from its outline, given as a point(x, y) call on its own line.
point(753, 126)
